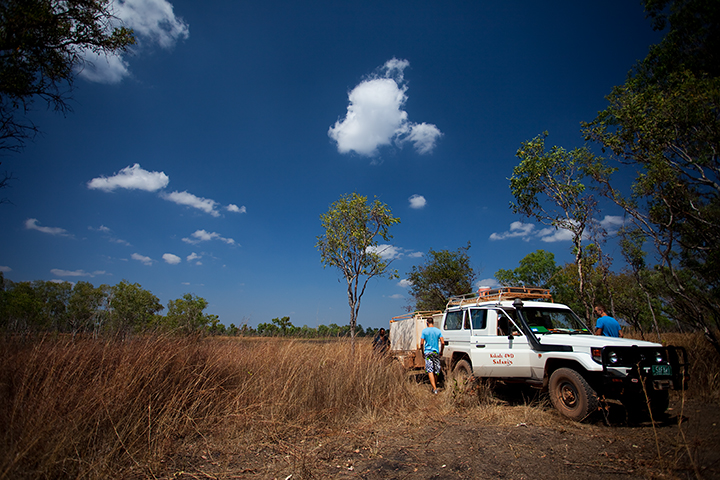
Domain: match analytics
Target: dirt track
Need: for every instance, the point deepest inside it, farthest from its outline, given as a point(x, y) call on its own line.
point(543, 446)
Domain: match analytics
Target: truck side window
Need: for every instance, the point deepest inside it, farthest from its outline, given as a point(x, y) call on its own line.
point(453, 320)
point(466, 320)
point(479, 319)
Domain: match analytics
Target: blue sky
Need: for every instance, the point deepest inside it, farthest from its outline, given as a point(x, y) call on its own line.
point(201, 161)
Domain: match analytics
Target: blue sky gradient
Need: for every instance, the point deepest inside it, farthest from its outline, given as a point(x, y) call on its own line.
point(201, 160)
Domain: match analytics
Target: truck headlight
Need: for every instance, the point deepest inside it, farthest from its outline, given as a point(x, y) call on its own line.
point(613, 357)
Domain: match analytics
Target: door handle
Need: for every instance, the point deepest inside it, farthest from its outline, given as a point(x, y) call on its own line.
point(479, 346)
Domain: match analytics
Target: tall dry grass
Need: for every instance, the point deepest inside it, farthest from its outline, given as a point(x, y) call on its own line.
point(94, 409)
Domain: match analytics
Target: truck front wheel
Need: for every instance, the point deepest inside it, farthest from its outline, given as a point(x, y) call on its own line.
point(571, 394)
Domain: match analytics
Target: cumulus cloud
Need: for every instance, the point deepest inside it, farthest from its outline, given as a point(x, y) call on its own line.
point(154, 23)
point(487, 283)
point(386, 252)
point(192, 256)
point(203, 236)
point(405, 283)
point(32, 224)
point(142, 259)
point(131, 178)
point(171, 259)
point(527, 231)
point(5, 269)
point(375, 115)
point(517, 229)
point(101, 68)
point(236, 209)
point(188, 199)
point(417, 201)
point(612, 223)
point(391, 252)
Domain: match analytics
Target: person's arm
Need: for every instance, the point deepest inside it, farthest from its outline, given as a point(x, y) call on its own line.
point(620, 333)
point(598, 331)
point(442, 345)
point(422, 345)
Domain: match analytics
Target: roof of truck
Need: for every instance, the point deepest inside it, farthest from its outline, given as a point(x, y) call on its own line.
point(505, 295)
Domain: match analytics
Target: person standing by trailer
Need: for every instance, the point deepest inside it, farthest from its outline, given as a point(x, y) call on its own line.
point(432, 345)
point(381, 342)
point(606, 325)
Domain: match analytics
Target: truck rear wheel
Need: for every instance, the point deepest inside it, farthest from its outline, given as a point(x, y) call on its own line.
point(571, 395)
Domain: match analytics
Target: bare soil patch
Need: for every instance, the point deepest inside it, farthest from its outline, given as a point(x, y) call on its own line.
point(512, 440)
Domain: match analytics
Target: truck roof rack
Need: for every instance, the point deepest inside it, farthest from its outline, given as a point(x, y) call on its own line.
point(498, 294)
point(419, 313)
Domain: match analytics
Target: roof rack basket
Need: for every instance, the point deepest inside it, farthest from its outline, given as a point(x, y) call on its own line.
point(502, 293)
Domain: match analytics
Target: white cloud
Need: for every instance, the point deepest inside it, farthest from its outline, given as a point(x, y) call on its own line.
point(131, 178)
point(192, 256)
point(184, 198)
point(203, 236)
point(141, 258)
point(487, 283)
point(397, 296)
point(386, 252)
point(423, 137)
point(552, 235)
point(154, 23)
point(415, 254)
point(417, 201)
point(75, 273)
point(5, 269)
point(612, 223)
point(32, 224)
point(375, 115)
point(517, 229)
point(236, 209)
point(101, 68)
point(171, 259)
point(405, 283)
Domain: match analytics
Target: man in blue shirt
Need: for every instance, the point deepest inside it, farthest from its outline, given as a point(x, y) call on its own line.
point(606, 325)
point(432, 345)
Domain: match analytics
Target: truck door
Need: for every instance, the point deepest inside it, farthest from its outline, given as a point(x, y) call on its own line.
point(456, 332)
point(503, 351)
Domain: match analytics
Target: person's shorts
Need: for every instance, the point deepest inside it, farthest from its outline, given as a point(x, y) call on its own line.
point(432, 363)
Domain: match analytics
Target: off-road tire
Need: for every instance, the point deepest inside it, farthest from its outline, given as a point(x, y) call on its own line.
point(571, 395)
point(462, 370)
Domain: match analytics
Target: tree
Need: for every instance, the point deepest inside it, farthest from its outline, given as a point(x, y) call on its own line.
point(84, 306)
point(352, 227)
point(536, 269)
point(443, 275)
point(663, 125)
point(548, 187)
point(42, 45)
point(186, 315)
point(132, 308)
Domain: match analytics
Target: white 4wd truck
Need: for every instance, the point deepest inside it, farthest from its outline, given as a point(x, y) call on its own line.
point(518, 335)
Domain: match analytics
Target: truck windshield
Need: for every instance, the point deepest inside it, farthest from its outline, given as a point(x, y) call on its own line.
point(554, 320)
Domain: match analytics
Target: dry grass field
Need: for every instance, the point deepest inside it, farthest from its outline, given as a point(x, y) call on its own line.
point(166, 407)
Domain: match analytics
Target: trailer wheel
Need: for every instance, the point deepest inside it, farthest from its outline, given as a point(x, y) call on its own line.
point(571, 394)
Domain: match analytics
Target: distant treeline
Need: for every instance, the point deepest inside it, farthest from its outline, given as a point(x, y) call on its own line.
point(126, 308)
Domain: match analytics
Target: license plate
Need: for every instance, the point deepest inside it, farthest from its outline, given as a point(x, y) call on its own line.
point(662, 371)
